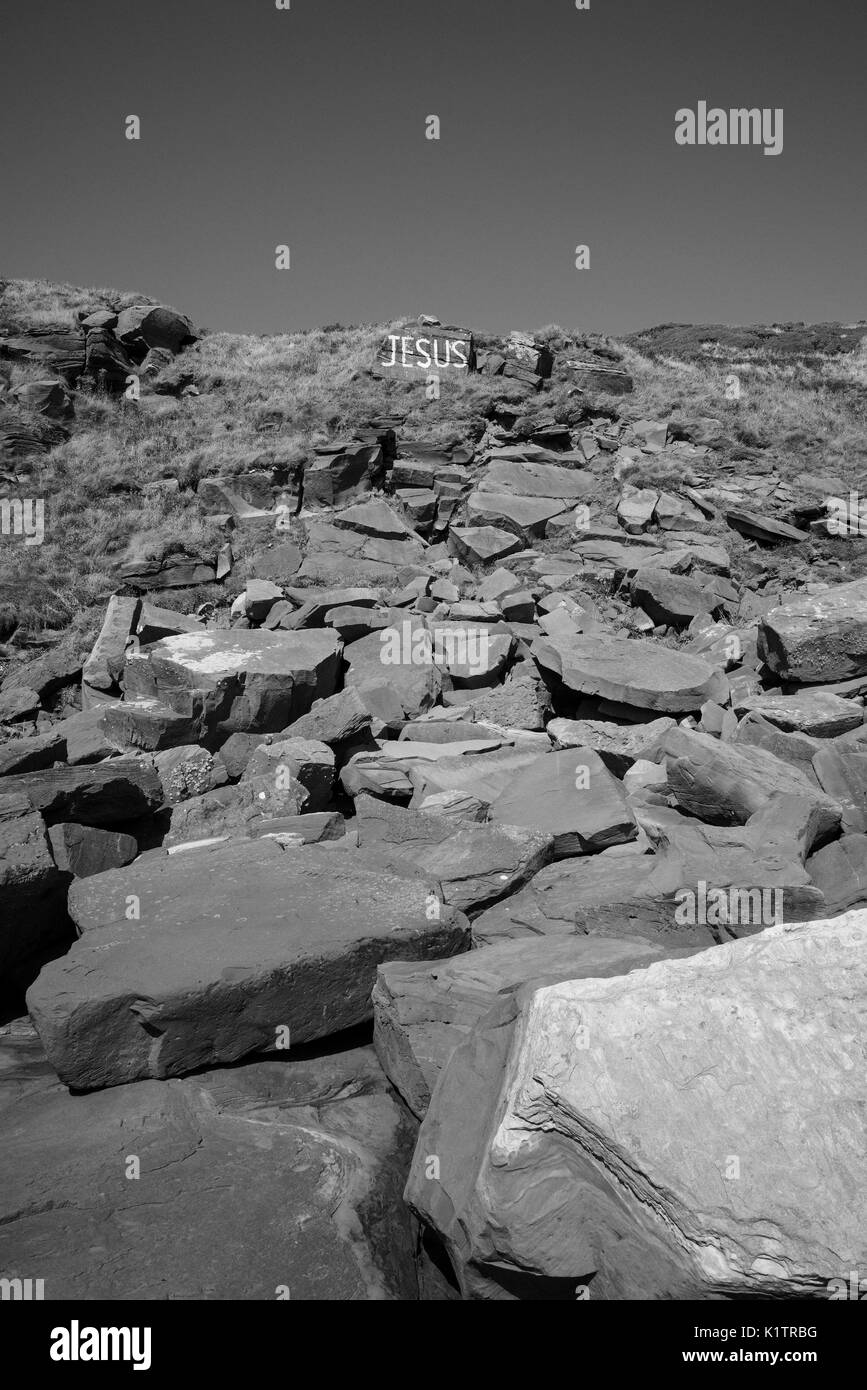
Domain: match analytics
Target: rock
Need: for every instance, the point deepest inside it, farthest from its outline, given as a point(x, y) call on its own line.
point(258, 599)
point(727, 783)
point(484, 775)
point(146, 726)
point(238, 682)
point(659, 897)
point(82, 850)
point(351, 624)
point(335, 720)
point(155, 623)
point(525, 517)
point(310, 1154)
point(618, 745)
point(622, 553)
point(375, 518)
point(188, 771)
point(62, 353)
point(232, 811)
point(839, 871)
point(436, 349)
point(280, 562)
point(482, 544)
point(145, 326)
point(572, 796)
point(797, 749)
point(32, 913)
point(18, 704)
point(521, 702)
point(417, 686)
point(315, 828)
point(701, 430)
point(528, 479)
point(49, 398)
point(672, 512)
point(637, 673)
point(304, 760)
point(422, 1012)
point(636, 507)
point(120, 790)
point(103, 669)
point(842, 774)
point(813, 712)
point(349, 547)
point(671, 598)
point(818, 638)
point(338, 477)
point(467, 865)
point(535, 1199)
point(595, 377)
point(231, 944)
point(32, 754)
point(768, 529)
point(172, 572)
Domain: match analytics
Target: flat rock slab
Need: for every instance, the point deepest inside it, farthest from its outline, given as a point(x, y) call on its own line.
point(839, 870)
point(524, 516)
point(240, 681)
point(725, 783)
point(818, 637)
point(468, 865)
point(685, 1131)
point(482, 544)
point(618, 745)
point(230, 944)
point(277, 1179)
point(813, 712)
point(764, 528)
point(485, 775)
point(528, 479)
point(672, 896)
point(121, 789)
point(637, 673)
point(572, 796)
point(422, 1012)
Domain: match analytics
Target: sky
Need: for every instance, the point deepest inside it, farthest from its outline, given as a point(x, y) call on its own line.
point(306, 127)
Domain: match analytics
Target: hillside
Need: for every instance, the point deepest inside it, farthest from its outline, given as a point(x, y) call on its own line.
point(120, 480)
point(433, 808)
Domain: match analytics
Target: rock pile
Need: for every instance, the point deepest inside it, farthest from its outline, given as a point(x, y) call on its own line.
point(527, 777)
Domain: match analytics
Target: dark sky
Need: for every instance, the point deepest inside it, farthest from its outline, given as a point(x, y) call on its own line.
point(307, 127)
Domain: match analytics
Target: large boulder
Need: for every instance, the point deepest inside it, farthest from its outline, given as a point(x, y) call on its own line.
point(240, 681)
point(638, 673)
point(202, 957)
point(572, 796)
point(818, 637)
point(145, 326)
point(277, 1180)
point(121, 789)
point(466, 864)
point(32, 908)
point(423, 1011)
point(704, 884)
point(726, 784)
point(694, 1130)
